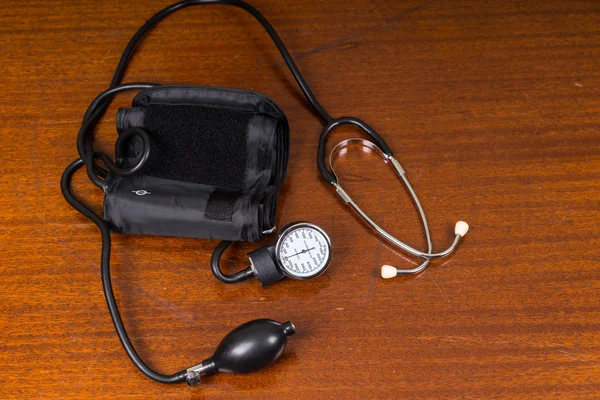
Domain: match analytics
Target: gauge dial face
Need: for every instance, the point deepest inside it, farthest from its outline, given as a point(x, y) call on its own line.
point(303, 251)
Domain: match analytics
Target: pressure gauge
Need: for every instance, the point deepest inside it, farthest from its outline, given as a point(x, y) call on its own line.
point(303, 251)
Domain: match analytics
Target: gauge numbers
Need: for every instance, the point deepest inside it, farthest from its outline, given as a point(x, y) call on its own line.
point(303, 251)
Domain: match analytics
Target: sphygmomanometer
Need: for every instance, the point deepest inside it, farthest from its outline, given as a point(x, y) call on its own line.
point(208, 162)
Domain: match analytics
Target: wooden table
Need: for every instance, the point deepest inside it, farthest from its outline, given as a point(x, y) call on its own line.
point(493, 109)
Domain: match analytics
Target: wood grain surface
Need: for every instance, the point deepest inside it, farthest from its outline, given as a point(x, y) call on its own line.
point(493, 108)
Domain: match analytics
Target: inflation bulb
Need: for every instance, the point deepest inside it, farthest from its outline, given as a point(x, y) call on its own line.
point(248, 348)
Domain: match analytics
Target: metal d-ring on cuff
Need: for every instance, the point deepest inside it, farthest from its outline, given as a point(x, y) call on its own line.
point(428, 255)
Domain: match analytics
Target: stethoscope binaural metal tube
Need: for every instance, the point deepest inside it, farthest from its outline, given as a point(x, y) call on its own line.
point(388, 271)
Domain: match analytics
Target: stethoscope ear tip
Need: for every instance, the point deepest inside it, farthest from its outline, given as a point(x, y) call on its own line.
point(387, 271)
point(461, 228)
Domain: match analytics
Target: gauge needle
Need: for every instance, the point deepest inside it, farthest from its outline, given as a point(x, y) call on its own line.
point(307, 249)
point(302, 252)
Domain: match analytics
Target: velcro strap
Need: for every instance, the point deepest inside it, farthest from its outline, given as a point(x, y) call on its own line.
point(220, 205)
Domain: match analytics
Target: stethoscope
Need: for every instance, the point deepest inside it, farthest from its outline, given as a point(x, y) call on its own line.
point(380, 147)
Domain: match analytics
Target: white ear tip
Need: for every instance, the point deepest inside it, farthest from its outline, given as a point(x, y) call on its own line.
point(387, 272)
point(461, 228)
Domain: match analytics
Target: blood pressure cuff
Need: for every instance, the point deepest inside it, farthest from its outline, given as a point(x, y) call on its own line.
point(217, 160)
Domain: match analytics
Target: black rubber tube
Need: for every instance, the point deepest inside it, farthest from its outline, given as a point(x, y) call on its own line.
point(330, 127)
point(125, 57)
point(95, 111)
point(65, 186)
point(215, 260)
